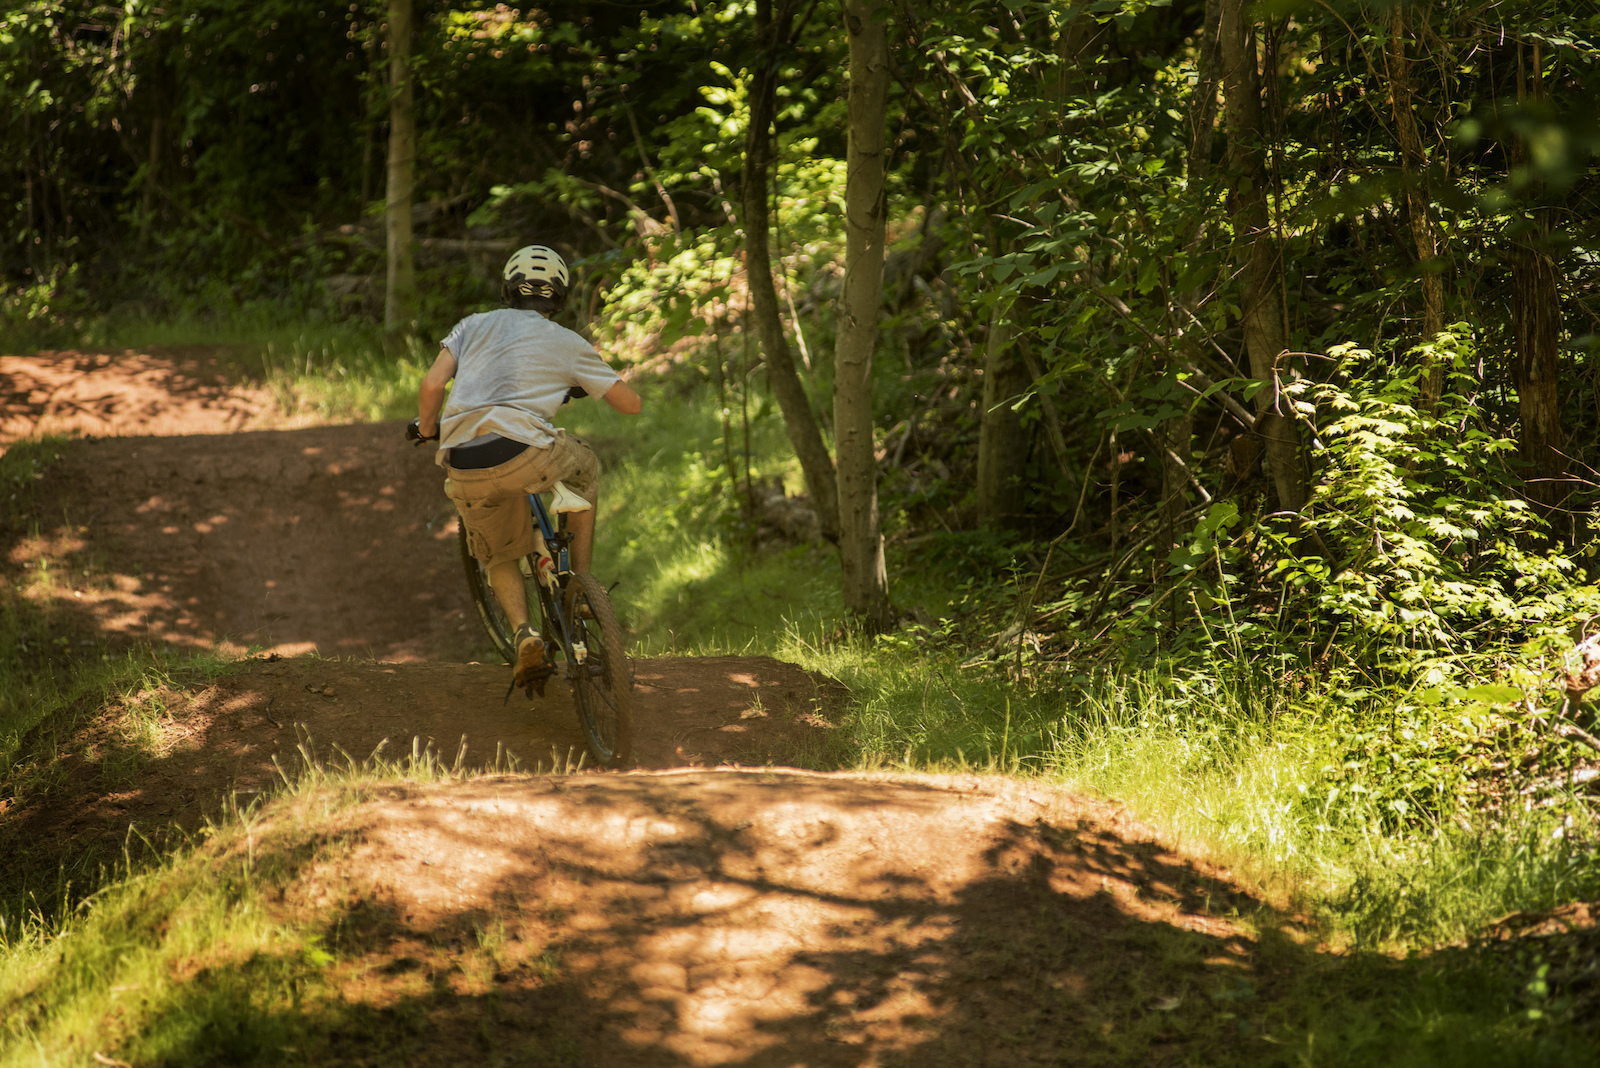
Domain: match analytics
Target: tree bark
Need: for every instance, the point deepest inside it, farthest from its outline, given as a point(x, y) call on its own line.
point(1536, 327)
point(1177, 434)
point(1414, 164)
point(866, 584)
point(793, 400)
point(1203, 109)
point(399, 298)
point(1536, 323)
point(1002, 439)
point(1257, 255)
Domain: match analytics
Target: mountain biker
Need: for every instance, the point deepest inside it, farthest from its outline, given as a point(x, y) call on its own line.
point(513, 368)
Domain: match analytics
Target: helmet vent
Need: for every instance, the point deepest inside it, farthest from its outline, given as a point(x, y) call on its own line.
point(535, 272)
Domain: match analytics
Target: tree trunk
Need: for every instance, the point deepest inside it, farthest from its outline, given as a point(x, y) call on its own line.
point(1414, 163)
point(1176, 435)
point(399, 298)
point(157, 81)
point(866, 584)
point(1257, 252)
point(1203, 109)
point(1002, 440)
point(793, 401)
point(1536, 322)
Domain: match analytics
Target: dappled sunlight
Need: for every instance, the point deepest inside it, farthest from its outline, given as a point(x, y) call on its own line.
point(336, 540)
point(133, 392)
point(176, 749)
point(710, 918)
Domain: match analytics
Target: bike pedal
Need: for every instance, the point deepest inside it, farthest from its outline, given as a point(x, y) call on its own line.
point(533, 682)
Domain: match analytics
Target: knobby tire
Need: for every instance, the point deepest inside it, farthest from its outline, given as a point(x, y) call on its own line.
point(495, 623)
point(602, 686)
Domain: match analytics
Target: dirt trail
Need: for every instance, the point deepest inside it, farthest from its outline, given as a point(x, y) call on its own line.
point(774, 918)
point(170, 390)
point(336, 541)
point(699, 917)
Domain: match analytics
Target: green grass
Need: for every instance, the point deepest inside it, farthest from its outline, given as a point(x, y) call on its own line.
point(669, 530)
point(1227, 765)
point(52, 672)
point(189, 959)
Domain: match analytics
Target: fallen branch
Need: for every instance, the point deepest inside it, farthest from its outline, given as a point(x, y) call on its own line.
point(1570, 730)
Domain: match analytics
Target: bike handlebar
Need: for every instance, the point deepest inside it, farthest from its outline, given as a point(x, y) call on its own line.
point(414, 433)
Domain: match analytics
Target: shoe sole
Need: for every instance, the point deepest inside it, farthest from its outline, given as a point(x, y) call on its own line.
point(531, 657)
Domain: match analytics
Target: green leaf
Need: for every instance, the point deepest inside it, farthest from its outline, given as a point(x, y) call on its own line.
point(1493, 693)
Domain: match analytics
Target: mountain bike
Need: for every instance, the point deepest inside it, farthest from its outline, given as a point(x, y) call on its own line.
point(578, 622)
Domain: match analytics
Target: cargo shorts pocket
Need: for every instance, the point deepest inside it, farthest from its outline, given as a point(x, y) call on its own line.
point(477, 543)
point(478, 546)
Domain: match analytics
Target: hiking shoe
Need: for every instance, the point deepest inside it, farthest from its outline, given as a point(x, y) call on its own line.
point(533, 666)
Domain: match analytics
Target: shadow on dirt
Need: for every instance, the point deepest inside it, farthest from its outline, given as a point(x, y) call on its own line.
point(166, 758)
point(336, 540)
point(186, 389)
point(758, 919)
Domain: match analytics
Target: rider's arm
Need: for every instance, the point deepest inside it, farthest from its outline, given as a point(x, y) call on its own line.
point(622, 397)
point(430, 398)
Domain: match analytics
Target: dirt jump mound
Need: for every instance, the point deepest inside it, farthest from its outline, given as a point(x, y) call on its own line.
point(770, 918)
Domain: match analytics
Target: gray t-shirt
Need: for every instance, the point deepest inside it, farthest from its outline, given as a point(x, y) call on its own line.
point(513, 368)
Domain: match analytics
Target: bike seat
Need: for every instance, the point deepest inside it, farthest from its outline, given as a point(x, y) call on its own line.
point(568, 501)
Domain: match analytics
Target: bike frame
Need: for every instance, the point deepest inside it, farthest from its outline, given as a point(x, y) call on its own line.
point(555, 607)
point(548, 529)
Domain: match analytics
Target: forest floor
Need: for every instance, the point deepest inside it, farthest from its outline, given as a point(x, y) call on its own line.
point(715, 904)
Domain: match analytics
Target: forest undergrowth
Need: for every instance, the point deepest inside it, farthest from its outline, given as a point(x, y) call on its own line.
point(1399, 809)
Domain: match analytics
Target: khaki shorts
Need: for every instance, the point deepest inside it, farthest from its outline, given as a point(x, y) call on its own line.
point(493, 501)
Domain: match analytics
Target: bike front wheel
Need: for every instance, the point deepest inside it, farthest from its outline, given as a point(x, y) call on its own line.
point(602, 683)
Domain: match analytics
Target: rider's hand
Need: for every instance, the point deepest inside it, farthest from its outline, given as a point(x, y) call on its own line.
point(414, 433)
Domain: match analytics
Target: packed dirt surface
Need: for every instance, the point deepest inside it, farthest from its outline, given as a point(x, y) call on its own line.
point(181, 390)
point(174, 753)
point(771, 918)
point(696, 917)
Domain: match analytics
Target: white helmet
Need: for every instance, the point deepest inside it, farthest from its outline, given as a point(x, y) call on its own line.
point(534, 271)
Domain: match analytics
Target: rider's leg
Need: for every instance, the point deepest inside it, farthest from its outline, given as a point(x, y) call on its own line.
point(510, 591)
point(497, 524)
point(581, 526)
point(578, 468)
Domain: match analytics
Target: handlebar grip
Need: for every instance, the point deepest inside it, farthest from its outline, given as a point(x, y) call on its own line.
point(414, 433)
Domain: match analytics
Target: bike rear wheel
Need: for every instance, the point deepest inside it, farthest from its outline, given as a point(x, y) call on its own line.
point(495, 624)
point(602, 684)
